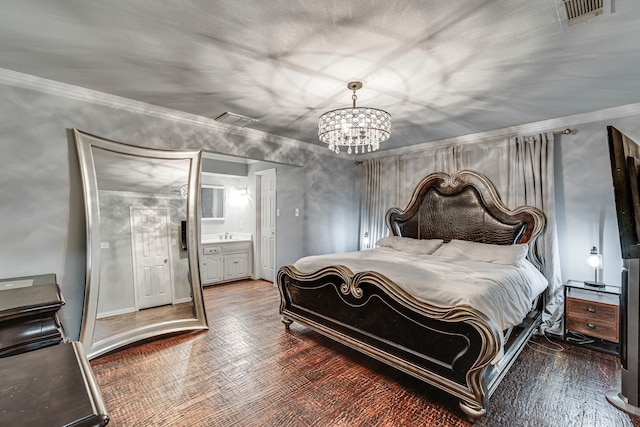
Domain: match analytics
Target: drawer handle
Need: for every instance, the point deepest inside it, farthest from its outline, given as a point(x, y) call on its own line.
point(591, 309)
point(591, 325)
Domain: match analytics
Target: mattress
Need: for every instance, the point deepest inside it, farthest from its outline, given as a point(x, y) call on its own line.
point(503, 293)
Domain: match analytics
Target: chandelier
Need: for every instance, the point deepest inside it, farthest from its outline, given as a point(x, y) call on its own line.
point(358, 128)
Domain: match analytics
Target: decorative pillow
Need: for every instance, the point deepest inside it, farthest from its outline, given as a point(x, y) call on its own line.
point(497, 254)
point(409, 245)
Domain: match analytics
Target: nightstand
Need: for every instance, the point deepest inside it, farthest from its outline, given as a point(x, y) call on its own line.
point(594, 313)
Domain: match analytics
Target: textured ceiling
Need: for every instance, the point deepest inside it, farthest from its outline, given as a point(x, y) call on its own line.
point(123, 172)
point(441, 68)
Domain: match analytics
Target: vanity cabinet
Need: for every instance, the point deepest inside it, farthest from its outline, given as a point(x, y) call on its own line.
point(225, 261)
point(236, 266)
point(212, 268)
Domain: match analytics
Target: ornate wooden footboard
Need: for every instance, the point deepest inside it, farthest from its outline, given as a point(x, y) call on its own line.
point(456, 349)
point(450, 348)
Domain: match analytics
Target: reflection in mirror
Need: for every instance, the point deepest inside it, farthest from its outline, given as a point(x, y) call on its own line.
point(141, 281)
point(212, 201)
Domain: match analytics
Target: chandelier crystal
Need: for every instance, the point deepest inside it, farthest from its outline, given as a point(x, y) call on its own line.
point(358, 128)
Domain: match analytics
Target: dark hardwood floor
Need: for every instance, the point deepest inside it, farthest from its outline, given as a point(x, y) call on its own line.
point(112, 325)
point(247, 370)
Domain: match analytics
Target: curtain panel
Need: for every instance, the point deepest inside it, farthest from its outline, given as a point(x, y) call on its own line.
point(521, 168)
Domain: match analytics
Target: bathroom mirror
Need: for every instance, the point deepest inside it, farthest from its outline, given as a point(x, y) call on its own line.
point(212, 202)
point(140, 282)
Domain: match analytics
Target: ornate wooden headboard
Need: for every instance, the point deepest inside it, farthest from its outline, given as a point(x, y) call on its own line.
point(465, 206)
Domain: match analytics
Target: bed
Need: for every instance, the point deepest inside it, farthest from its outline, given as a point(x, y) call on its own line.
point(363, 301)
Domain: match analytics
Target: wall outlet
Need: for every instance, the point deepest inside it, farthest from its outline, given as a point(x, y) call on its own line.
point(104, 245)
point(297, 212)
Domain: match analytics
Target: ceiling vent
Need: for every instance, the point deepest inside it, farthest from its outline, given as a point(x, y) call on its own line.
point(576, 11)
point(235, 119)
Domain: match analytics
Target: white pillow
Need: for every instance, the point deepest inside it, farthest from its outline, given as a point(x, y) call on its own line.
point(497, 254)
point(409, 245)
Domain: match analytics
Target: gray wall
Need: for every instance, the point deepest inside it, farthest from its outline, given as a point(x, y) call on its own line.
point(291, 182)
point(42, 211)
point(585, 205)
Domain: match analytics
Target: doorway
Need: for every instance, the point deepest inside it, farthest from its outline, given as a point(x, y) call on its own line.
point(266, 224)
point(152, 276)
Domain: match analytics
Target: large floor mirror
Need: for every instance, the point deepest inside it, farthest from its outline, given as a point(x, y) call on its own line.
point(142, 217)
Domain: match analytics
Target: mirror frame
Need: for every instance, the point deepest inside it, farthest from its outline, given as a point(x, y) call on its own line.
point(224, 202)
point(84, 144)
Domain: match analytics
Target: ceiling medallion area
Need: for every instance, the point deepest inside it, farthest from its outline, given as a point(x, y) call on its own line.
point(360, 129)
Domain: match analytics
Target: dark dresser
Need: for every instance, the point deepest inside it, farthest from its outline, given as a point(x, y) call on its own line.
point(44, 379)
point(52, 386)
point(29, 313)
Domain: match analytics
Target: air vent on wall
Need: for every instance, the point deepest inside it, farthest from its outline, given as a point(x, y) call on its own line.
point(235, 119)
point(581, 10)
point(576, 11)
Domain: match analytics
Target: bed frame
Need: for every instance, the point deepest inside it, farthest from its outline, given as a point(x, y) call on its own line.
point(454, 348)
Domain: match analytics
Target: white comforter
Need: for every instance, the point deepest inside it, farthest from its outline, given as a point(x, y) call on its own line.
point(503, 293)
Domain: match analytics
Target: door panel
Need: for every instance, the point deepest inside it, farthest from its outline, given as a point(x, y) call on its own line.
point(268, 226)
point(150, 240)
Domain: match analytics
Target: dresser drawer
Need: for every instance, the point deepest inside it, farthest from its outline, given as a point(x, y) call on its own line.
point(592, 318)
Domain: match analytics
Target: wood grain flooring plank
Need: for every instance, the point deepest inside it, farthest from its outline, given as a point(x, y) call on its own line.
point(248, 370)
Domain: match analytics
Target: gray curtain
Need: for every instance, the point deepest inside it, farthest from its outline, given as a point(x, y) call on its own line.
point(376, 199)
point(521, 168)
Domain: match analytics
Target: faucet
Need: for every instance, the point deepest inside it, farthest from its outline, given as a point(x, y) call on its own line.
point(226, 236)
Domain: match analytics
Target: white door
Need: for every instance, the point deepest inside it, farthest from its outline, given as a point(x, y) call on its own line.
point(268, 225)
point(151, 254)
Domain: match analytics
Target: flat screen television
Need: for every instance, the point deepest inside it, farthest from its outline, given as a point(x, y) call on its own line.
point(624, 154)
point(625, 161)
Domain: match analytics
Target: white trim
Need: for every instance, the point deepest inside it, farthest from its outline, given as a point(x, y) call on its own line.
point(118, 312)
point(265, 171)
point(65, 90)
point(182, 300)
point(223, 175)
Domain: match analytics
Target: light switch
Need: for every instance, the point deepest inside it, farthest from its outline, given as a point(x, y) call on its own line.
point(297, 212)
point(278, 212)
point(104, 245)
point(174, 242)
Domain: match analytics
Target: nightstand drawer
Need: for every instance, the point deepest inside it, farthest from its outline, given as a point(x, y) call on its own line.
point(592, 318)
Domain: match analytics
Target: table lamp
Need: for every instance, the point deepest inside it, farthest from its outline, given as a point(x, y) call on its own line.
point(595, 261)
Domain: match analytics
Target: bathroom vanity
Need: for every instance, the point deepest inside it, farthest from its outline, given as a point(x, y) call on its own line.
point(224, 258)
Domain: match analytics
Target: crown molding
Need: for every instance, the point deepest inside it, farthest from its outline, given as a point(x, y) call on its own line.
point(53, 87)
point(78, 93)
point(556, 124)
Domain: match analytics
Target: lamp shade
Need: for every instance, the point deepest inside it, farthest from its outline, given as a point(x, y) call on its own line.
point(594, 259)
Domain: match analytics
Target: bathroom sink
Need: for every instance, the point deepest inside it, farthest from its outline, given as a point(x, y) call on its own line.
point(215, 238)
